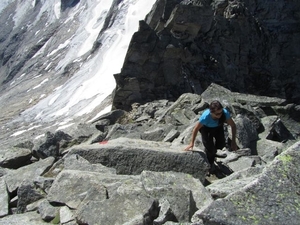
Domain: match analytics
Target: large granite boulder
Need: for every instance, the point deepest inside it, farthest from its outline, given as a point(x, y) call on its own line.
point(273, 196)
point(132, 156)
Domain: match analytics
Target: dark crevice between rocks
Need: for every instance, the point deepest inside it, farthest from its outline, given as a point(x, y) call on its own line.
point(68, 4)
point(152, 214)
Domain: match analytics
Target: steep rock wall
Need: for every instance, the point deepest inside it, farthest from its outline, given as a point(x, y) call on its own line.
point(184, 46)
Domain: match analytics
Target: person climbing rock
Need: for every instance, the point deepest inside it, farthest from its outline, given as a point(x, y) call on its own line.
point(211, 127)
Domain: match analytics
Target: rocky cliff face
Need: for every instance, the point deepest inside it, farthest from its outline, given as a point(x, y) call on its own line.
point(183, 46)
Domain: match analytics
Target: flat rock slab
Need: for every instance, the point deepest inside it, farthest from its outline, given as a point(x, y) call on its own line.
point(72, 187)
point(117, 210)
point(236, 181)
point(32, 218)
point(132, 156)
point(14, 178)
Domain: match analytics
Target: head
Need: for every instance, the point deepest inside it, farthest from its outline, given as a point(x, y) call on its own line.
point(216, 109)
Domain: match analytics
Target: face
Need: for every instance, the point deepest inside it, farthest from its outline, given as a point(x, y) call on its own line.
point(217, 114)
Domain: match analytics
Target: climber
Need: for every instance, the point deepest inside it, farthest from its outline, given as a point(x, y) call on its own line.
point(210, 125)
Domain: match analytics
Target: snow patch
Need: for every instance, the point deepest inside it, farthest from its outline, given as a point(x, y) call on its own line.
point(64, 127)
point(44, 81)
point(18, 133)
point(94, 81)
point(23, 131)
point(33, 3)
point(56, 9)
point(61, 46)
point(47, 67)
point(23, 7)
point(53, 100)
point(39, 136)
point(105, 110)
point(93, 27)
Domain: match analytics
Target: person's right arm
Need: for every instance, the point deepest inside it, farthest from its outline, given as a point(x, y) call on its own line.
point(194, 134)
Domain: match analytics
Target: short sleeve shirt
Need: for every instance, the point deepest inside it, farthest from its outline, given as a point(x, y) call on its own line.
point(207, 120)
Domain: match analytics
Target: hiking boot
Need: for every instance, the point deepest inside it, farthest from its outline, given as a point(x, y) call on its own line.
point(221, 154)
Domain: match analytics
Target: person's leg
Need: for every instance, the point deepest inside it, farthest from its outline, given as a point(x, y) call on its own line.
point(220, 138)
point(207, 140)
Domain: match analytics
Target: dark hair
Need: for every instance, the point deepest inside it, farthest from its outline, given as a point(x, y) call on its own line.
point(215, 105)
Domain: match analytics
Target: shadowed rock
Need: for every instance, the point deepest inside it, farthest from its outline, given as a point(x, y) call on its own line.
point(15, 158)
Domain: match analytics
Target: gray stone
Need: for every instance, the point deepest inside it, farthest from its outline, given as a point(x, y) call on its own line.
point(15, 158)
point(274, 193)
point(76, 162)
point(232, 156)
point(112, 116)
point(185, 138)
point(34, 206)
point(66, 215)
point(182, 204)
point(154, 135)
point(188, 194)
point(267, 122)
point(279, 132)
point(132, 156)
point(3, 171)
point(32, 218)
point(185, 101)
point(119, 130)
point(43, 182)
point(71, 187)
point(47, 211)
point(126, 207)
point(234, 182)
point(288, 114)
point(253, 113)
point(268, 149)
point(180, 117)
point(246, 132)
point(28, 193)
point(29, 173)
point(101, 124)
point(242, 163)
point(166, 213)
point(4, 198)
point(52, 145)
point(171, 135)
